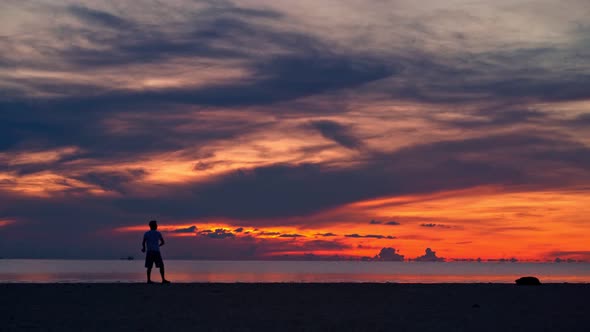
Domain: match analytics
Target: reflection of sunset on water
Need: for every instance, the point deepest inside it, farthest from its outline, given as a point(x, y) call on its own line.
point(38, 271)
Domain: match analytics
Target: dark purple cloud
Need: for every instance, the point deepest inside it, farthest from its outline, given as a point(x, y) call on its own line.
point(388, 223)
point(429, 256)
point(369, 236)
point(217, 234)
point(190, 229)
point(326, 234)
point(389, 255)
point(338, 133)
point(100, 18)
point(291, 235)
point(432, 225)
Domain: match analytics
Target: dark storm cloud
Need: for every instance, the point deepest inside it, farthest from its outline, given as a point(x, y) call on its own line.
point(558, 89)
point(269, 233)
point(134, 42)
point(388, 223)
point(499, 117)
point(278, 79)
point(291, 235)
point(512, 76)
point(286, 78)
point(59, 214)
point(582, 120)
point(338, 133)
point(143, 46)
point(577, 157)
point(369, 236)
point(431, 225)
point(28, 127)
point(514, 144)
point(217, 234)
point(113, 181)
point(578, 122)
point(191, 229)
point(98, 17)
point(326, 234)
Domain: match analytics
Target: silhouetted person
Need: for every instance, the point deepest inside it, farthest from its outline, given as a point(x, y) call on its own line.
point(154, 241)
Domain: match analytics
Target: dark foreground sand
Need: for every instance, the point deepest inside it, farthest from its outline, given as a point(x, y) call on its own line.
point(294, 307)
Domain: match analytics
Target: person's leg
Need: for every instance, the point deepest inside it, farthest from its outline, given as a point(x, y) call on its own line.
point(164, 281)
point(149, 263)
point(160, 264)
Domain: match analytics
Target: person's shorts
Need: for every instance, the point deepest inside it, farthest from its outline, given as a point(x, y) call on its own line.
point(153, 257)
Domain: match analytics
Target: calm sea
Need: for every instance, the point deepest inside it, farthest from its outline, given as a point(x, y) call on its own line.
point(64, 271)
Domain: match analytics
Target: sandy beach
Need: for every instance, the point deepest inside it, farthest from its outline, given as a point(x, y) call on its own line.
point(294, 307)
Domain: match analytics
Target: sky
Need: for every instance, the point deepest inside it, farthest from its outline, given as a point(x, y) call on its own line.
point(273, 129)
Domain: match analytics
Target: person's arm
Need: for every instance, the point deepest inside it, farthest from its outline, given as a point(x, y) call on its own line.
point(143, 244)
point(161, 240)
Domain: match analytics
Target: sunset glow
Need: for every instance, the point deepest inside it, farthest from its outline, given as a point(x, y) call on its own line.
point(260, 129)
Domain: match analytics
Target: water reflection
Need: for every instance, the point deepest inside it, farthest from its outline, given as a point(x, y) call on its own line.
point(44, 271)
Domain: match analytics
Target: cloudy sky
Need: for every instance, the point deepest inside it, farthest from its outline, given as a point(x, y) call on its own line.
point(265, 129)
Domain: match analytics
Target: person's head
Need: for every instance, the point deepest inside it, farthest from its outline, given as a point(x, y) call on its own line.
point(153, 225)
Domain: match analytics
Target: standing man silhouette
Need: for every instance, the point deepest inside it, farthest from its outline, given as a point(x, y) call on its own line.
point(154, 241)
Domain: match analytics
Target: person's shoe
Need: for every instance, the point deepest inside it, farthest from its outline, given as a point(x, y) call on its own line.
point(150, 282)
point(165, 281)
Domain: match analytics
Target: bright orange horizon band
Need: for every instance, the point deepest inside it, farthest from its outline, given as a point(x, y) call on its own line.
point(465, 224)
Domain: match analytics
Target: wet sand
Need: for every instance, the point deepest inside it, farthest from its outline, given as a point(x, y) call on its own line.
point(294, 307)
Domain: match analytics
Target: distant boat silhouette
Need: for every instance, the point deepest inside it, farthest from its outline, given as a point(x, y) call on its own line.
point(128, 258)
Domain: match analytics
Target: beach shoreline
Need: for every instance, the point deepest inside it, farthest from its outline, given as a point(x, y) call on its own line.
point(294, 307)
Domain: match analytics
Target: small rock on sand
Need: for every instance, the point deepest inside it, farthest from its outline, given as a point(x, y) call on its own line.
point(528, 281)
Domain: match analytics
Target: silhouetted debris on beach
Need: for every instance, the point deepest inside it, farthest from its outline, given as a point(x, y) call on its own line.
point(528, 281)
